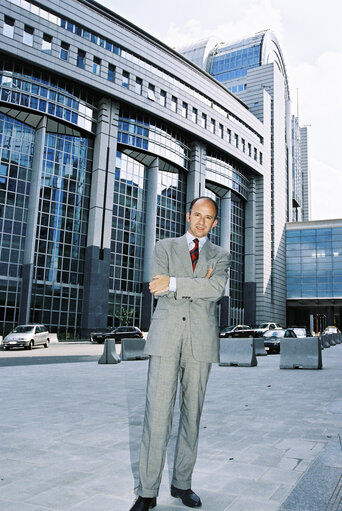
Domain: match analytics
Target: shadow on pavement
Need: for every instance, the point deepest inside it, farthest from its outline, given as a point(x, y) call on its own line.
point(25, 361)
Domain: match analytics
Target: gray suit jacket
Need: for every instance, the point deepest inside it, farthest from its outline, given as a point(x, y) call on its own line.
point(194, 301)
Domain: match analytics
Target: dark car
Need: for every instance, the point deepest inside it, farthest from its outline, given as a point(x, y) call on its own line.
point(117, 333)
point(272, 338)
point(237, 331)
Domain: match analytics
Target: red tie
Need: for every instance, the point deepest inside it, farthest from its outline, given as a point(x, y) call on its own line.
point(194, 253)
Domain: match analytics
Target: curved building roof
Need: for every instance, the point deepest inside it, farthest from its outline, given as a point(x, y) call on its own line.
point(206, 54)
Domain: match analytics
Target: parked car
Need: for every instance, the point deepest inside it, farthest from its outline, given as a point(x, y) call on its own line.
point(27, 336)
point(331, 330)
point(234, 329)
point(261, 329)
point(117, 333)
point(301, 331)
point(272, 338)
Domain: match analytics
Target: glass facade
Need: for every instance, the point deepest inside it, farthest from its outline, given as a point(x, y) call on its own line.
point(228, 64)
point(25, 86)
point(237, 249)
point(314, 263)
point(153, 136)
point(16, 150)
point(127, 243)
point(171, 202)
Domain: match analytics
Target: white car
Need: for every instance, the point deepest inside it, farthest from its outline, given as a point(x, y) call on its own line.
point(27, 336)
point(261, 329)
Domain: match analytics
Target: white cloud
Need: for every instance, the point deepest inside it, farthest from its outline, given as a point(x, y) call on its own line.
point(255, 16)
point(325, 191)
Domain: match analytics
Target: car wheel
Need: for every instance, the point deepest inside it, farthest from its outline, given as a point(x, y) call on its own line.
point(100, 342)
point(30, 346)
point(46, 344)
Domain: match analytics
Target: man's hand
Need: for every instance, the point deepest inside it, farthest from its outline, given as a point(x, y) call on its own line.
point(159, 284)
point(209, 273)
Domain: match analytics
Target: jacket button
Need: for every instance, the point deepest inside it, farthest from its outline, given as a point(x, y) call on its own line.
point(184, 319)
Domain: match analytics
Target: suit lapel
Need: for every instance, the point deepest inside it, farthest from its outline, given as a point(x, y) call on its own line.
point(182, 251)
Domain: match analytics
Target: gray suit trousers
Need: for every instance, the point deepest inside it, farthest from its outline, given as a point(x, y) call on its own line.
point(163, 376)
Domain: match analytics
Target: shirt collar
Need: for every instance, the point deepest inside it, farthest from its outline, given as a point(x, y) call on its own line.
point(190, 238)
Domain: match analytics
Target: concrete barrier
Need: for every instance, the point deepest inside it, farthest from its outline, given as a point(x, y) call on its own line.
point(300, 353)
point(1, 339)
point(133, 349)
point(259, 346)
point(337, 338)
point(324, 341)
point(53, 338)
point(109, 355)
point(237, 352)
point(331, 340)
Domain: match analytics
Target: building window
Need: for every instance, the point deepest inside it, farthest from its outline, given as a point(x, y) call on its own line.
point(47, 44)
point(243, 143)
point(194, 116)
point(212, 126)
point(96, 66)
point(236, 140)
point(221, 130)
point(255, 154)
point(185, 110)
point(64, 55)
point(125, 79)
point(8, 29)
point(249, 150)
point(260, 158)
point(28, 35)
point(174, 104)
point(151, 92)
point(204, 121)
point(162, 98)
point(138, 85)
point(229, 135)
point(81, 58)
point(111, 73)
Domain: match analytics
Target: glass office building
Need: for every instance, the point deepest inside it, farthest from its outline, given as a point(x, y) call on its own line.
point(314, 273)
point(106, 135)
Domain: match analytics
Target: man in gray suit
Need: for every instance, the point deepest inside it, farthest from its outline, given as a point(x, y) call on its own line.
point(189, 277)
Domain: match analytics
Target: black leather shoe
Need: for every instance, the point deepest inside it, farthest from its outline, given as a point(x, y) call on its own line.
point(188, 497)
point(144, 504)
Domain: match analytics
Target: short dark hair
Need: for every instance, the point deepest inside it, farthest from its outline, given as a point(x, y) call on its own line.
point(193, 202)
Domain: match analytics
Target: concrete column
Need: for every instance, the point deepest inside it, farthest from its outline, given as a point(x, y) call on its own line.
point(32, 218)
point(196, 176)
point(150, 240)
point(250, 256)
point(97, 257)
point(225, 234)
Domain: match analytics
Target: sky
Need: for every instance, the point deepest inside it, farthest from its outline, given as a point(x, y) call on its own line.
point(310, 36)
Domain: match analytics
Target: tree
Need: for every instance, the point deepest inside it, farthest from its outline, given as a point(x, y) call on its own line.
point(124, 315)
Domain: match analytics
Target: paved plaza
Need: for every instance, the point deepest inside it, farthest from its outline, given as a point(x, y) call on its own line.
point(70, 434)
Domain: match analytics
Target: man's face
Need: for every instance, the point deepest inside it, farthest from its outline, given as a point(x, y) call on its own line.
point(201, 218)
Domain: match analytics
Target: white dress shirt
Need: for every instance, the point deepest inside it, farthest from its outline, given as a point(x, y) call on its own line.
point(190, 239)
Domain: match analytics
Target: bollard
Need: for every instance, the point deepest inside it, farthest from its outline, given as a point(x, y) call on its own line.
point(259, 346)
point(332, 340)
point(325, 341)
point(300, 353)
point(109, 355)
point(133, 349)
point(53, 338)
point(237, 352)
point(337, 338)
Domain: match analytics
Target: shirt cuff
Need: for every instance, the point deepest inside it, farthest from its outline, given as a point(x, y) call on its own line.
point(172, 284)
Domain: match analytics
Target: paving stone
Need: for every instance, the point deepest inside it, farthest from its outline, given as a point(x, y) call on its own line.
point(77, 447)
